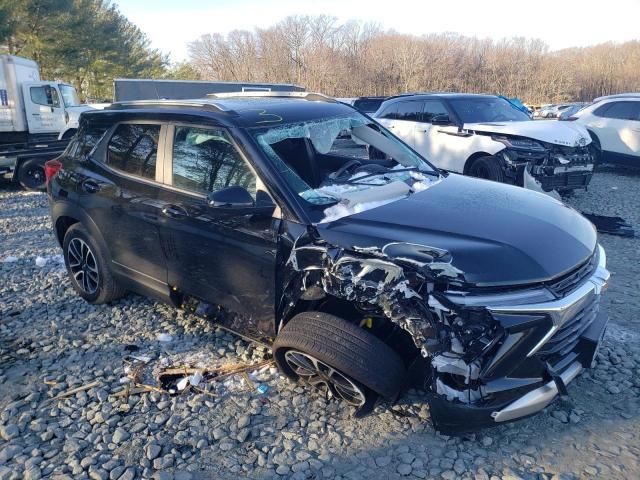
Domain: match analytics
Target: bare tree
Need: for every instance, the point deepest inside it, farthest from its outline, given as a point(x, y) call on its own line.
point(355, 58)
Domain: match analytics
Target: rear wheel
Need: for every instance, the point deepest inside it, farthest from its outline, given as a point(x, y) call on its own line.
point(31, 175)
point(487, 167)
point(339, 358)
point(88, 268)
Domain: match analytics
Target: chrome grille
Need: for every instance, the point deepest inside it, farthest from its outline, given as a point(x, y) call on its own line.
point(567, 283)
point(568, 335)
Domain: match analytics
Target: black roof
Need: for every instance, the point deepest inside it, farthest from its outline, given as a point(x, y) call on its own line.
point(241, 110)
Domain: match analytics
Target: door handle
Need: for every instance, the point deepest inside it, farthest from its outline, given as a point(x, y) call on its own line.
point(91, 186)
point(174, 211)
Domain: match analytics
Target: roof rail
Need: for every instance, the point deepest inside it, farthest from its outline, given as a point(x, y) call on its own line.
point(197, 103)
point(311, 96)
point(617, 95)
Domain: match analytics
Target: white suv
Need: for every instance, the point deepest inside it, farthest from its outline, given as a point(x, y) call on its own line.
point(614, 124)
point(486, 136)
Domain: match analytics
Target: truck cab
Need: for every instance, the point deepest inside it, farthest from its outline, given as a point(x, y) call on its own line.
point(32, 109)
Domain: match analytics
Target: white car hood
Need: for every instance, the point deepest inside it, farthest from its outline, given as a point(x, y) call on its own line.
point(568, 134)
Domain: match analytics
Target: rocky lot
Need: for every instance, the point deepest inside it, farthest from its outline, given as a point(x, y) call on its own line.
point(51, 342)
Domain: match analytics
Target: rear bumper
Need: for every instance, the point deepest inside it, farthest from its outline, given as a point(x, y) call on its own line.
point(455, 418)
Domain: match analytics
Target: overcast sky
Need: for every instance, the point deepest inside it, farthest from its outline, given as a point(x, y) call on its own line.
point(171, 24)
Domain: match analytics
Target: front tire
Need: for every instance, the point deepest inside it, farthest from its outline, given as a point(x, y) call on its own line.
point(487, 167)
point(31, 175)
point(334, 355)
point(88, 267)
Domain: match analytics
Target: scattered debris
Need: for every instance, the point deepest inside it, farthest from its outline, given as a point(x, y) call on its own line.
point(43, 261)
point(611, 225)
point(73, 391)
point(164, 337)
point(10, 259)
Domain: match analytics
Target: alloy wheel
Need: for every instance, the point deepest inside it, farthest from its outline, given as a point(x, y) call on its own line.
point(325, 378)
point(83, 265)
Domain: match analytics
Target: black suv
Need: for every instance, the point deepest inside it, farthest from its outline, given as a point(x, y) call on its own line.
point(369, 276)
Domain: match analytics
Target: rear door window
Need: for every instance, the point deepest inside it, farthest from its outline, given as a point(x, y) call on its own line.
point(410, 111)
point(133, 149)
point(433, 109)
point(390, 112)
point(620, 111)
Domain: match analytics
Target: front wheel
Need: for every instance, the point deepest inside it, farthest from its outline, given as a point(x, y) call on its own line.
point(338, 357)
point(487, 167)
point(31, 175)
point(88, 268)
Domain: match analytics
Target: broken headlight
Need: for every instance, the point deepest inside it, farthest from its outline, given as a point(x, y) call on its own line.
point(519, 143)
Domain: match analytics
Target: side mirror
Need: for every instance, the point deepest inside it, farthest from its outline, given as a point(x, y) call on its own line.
point(441, 119)
point(231, 197)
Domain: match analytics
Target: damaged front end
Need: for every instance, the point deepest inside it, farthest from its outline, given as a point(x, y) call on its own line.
point(488, 355)
point(546, 166)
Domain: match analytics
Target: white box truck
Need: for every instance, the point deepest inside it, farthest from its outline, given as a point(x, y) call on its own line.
point(37, 118)
point(34, 109)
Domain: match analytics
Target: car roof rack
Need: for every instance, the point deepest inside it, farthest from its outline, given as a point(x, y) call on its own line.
point(617, 95)
point(195, 103)
point(311, 96)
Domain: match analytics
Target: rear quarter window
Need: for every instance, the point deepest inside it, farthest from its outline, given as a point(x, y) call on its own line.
point(133, 149)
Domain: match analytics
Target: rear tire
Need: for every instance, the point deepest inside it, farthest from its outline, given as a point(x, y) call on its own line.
point(487, 167)
point(357, 355)
point(88, 267)
point(31, 175)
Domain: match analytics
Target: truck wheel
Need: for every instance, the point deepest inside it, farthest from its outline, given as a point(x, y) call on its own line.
point(88, 268)
point(487, 167)
point(336, 356)
point(31, 175)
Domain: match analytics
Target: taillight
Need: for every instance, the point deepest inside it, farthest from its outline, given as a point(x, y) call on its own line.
point(51, 169)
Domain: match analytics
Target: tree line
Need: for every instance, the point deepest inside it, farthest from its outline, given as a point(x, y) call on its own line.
point(355, 58)
point(87, 43)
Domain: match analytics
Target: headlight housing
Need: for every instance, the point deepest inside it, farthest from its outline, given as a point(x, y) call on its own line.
point(519, 143)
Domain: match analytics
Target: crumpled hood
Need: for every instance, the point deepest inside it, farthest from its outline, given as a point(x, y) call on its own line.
point(495, 234)
point(568, 134)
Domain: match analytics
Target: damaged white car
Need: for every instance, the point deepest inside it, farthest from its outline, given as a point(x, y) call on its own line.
point(485, 136)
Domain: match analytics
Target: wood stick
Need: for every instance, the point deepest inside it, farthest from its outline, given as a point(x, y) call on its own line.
point(73, 391)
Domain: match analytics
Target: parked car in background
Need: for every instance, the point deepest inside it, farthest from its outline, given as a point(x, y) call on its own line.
point(574, 108)
point(553, 111)
point(368, 275)
point(368, 105)
point(614, 125)
point(486, 136)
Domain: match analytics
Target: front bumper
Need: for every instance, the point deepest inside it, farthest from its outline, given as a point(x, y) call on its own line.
point(456, 418)
point(559, 168)
point(546, 346)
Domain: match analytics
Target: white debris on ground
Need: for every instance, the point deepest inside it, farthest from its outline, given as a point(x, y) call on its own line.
point(49, 259)
point(164, 337)
point(10, 259)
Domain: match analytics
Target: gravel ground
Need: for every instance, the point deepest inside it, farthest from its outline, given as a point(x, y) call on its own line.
point(51, 341)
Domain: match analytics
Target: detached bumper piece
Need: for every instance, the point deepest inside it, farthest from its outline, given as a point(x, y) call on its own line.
point(544, 347)
point(565, 180)
point(457, 418)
